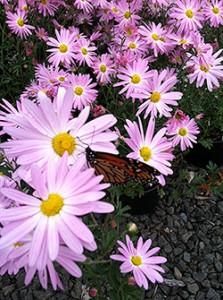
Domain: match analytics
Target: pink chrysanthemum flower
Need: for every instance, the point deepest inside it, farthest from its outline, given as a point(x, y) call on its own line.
point(134, 77)
point(151, 150)
point(85, 5)
point(103, 67)
point(214, 12)
point(140, 261)
point(159, 95)
point(46, 7)
point(187, 14)
point(84, 51)
point(176, 121)
point(83, 90)
point(136, 45)
point(46, 131)
point(185, 134)
point(156, 37)
point(50, 76)
point(42, 34)
point(127, 12)
point(63, 47)
point(210, 73)
point(52, 213)
point(17, 23)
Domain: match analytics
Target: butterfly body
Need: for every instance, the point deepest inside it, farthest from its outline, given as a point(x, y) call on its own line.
point(120, 171)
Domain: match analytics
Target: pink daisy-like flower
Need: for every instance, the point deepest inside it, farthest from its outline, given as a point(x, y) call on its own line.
point(214, 12)
point(134, 77)
point(42, 34)
point(84, 92)
point(140, 261)
point(127, 12)
point(158, 95)
point(63, 47)
point(85, 5)
point(103, 67)
point(17, 23)
point(136, 45)
point(185, 134)
point(84, 51)
point(149, 149)
point(187, 14)
point(210, 73)
point(51, 214)
point(176, 121)
point(46, 7)
point(46, 131)
point(156, 38)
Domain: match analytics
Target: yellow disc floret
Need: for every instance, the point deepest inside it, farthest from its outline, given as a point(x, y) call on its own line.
point(136, 260)
point(78, 90)
point(155, 37)
point(20, 22)
point(84, 51)
point(182, 131)
point(63, 48)
point(136, 79)
point(103, 68)
point(189, 13)
point(52, 205)
point(145, 153)
point(155, 97)
point(63, 142)
point(215, 10)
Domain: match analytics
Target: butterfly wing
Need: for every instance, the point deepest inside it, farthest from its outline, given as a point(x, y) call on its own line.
point(119, 171)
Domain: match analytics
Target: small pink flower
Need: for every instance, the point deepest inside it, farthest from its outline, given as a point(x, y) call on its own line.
point(140, 261)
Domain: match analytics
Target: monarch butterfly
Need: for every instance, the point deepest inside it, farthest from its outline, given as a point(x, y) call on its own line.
point(119, 171)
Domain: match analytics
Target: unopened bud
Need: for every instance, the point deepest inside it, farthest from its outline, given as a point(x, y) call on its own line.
point(132, 228)
point(93, 292)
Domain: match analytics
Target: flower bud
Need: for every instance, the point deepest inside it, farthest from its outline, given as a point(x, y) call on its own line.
point(93, 292)
point(131, 281)
point(132, 228)
point(98, 111)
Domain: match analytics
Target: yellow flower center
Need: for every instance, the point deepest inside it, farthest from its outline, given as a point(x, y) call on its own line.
point(20, 22)
point(78, 90)
point(155, 37)
point(44, 2)
point(103, 68)
point(155, 97)
point(17, 245)
point(136, 260)
point(114, 9)
point(63, 48)
point(63, 142)
point(162, 39)
point(183, 42)
point(44, 90)
point(189, 13)
point(215, 10)
point(132, 45)
point(127, 14)
point(178, 117)
point(1, 174)
point(183, 131)
point(204, 69)
point(136, 79)
point(61, 78)
point(105, 10)
point(128, 32)
point(84, 51)
point(52, 205)
point(145, 153)
point(178, 59)
point(25, 8)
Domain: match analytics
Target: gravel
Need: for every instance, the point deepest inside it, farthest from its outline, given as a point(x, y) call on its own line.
point(189, 233)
